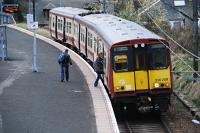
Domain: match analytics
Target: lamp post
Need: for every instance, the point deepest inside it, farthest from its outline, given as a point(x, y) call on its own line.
point(34, 42)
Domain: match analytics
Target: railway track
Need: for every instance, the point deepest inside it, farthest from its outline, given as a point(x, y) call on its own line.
point(142, 123)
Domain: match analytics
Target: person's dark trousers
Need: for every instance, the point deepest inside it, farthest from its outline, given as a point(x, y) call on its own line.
point(97, 80)
point(64, 69)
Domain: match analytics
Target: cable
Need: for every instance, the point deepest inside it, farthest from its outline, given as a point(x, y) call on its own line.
point(149, 6)
point(173, 41)
point(169, 36)
point(180, 58)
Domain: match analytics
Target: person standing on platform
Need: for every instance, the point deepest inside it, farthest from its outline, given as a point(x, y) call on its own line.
point(64, 60)
point(98, 68)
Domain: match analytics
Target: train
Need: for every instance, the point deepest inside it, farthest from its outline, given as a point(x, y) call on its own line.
point(137, 64)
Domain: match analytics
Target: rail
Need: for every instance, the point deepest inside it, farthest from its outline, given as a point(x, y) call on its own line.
point(143, 123)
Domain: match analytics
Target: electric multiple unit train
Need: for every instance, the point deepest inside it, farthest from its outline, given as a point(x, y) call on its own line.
point(137, 62)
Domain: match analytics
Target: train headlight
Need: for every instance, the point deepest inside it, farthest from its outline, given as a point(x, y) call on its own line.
point(142, 45)
point(136, 45)
point(156, 85)
point(167, 85)
point(118, 88)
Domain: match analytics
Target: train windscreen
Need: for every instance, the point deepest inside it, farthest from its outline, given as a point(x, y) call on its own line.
point(158, 56)
point(121, 59)
point(146, 57)
point(140, 57)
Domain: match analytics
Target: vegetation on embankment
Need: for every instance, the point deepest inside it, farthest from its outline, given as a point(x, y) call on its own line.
point(40, 31)
point(181, 60)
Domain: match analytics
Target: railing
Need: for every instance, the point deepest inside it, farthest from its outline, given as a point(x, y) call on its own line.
point(6, 18)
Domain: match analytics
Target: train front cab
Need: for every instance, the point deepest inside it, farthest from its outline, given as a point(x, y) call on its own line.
point(141, 72)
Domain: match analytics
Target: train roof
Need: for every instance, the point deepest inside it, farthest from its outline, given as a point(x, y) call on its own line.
point(115, 30)
point(69, 11)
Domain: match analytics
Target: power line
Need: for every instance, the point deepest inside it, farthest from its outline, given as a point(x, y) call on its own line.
point(173, 41)
point(169, 36)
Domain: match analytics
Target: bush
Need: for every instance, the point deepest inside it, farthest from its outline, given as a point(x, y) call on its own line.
point(184, 37)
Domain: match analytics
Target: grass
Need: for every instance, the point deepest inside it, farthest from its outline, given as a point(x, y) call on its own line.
point(196, 102)
point(40, 31)
point(184, 80)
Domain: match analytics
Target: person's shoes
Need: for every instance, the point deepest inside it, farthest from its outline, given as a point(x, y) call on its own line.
point(62, 80)
point(95, 85)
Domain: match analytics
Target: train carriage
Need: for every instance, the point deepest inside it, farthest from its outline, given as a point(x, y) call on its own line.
point(136, 61)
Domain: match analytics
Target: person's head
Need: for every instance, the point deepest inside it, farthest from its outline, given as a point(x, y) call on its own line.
point(66, 51)
point(100, 55)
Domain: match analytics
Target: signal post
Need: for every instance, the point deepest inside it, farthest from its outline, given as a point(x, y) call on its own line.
point(195, 37)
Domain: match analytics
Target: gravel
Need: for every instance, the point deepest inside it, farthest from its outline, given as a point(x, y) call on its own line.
point(181, 118)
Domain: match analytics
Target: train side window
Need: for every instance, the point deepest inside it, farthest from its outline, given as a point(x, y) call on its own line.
point(75, 29)
point(58, 24)
point(82, 35)
point(99, 46)
point(120, 63)
point(89, 39)
point(67, 27)
point(61, 25)
point(105, 63)
point(95, 44)
point(70, 27)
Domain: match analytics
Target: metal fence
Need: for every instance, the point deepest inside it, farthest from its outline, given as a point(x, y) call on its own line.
point(3, 43)
point(6, 18)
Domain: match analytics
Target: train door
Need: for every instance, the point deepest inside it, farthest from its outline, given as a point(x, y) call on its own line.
point(86, 42)
point(105, 65)
point(95, 47)
point(82, 39)
point(56, 23)
point(122, 66)
point(79, 37)
point(76, 34)
point(141, 67)
point(64, 25)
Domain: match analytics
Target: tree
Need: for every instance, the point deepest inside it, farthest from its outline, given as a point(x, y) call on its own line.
point(130, 9)
point(9, 1)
